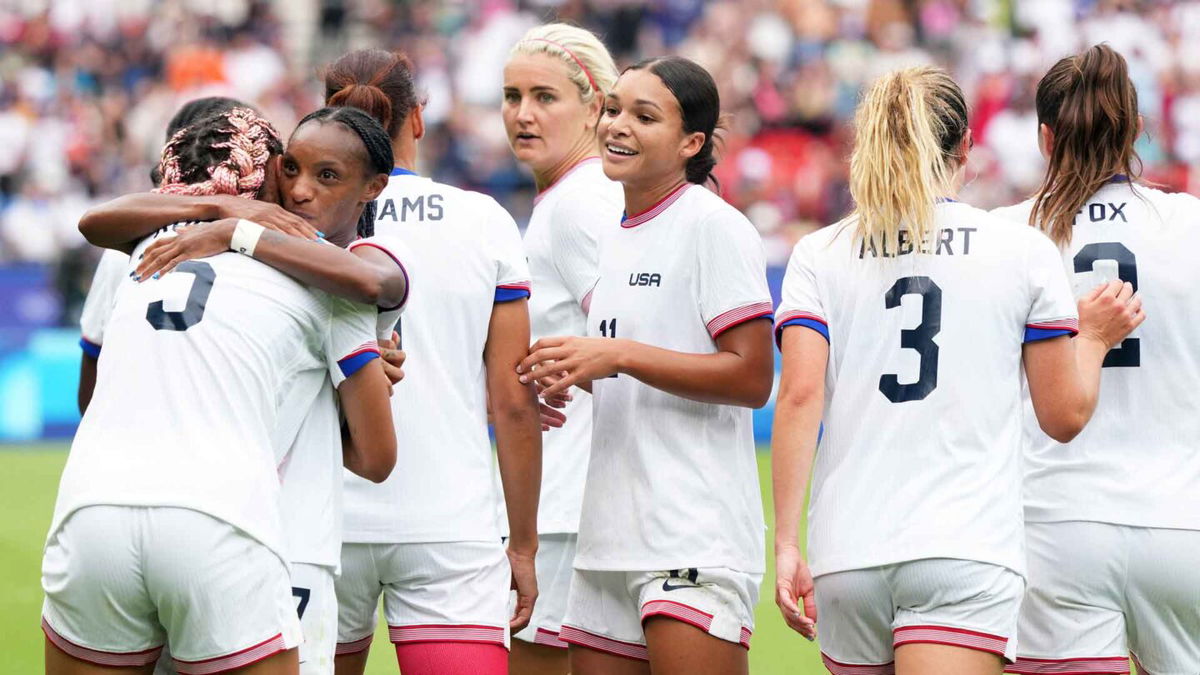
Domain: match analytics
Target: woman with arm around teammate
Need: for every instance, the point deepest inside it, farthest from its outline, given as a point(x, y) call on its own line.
point(1113, 517)
point(427, 541)
point(554, 85)
point(670, 536)
point(904, 329)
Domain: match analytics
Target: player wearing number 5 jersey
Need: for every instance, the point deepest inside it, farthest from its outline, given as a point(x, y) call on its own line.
point(670, 536)
point(167, 523)
point(904, 328)
point(1113, 517)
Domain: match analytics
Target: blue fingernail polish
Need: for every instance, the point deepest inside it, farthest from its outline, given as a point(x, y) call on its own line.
point(321, 235)
point(155, 275)
point(133, 275)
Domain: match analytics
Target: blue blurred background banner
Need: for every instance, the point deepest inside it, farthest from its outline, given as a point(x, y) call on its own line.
point(39, 363)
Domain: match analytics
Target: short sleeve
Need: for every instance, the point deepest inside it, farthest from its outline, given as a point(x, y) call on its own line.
point(575, 238)
point(512, 270)
point(732, 274)
point(801, 303)
point(1052, 309)
point(98, 307)
point(398, 251)
point(350, 339)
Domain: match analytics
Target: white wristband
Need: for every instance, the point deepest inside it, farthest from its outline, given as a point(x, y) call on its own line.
point(245, 237)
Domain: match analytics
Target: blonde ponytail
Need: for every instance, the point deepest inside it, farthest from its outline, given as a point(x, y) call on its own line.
point(908, 128)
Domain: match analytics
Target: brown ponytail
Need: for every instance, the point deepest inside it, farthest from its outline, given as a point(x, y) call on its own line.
point(1090, 105)
point(378, 82)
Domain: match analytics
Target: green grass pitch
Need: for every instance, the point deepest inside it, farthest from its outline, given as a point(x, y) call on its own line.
point(29, 480)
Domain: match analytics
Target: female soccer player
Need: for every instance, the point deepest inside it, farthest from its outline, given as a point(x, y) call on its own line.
point(905, 328)
point(329, 162)
point(1113, 517)
point(167, 523)
point(427, 539)
point(670, 536)
point(554, 85)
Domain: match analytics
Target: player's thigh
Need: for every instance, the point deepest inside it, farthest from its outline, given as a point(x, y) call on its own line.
point(59, 662)
point(97, 609)
point(528, 658)
point(1072, 616)
point(680, 648)
point(453, 592)
point(358, 589)
point(855, 610)
point(936, 659)
point(281, 663)
point(223, 596)
point(316, 605)
point(603, 625)
point(1163, 599)
point(956, 603)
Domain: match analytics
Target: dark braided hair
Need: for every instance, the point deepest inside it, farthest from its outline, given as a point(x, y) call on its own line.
point(375, 141)
point(225, 153)
point(190, 113)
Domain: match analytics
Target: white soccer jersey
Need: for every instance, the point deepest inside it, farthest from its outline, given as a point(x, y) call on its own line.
point(561, 242)
point(1138, 460)
point(112, 269)
point(187, 391)
point(673, 483)
point(466, 256)
point(920, 456)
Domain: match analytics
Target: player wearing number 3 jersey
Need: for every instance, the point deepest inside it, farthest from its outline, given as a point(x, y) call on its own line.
point(1113, 517)
point(904, 328)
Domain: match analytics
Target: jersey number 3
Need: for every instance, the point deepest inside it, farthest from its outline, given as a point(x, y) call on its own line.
point(1129, 354)
point(919, 339)
point(197, 298)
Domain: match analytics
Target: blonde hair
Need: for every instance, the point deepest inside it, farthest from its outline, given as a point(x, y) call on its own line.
point(908, 128)
point(589, 65)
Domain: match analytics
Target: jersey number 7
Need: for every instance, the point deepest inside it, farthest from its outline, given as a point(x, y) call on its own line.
point(919, 338)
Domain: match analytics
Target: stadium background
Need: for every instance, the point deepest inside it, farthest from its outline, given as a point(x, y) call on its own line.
point(86, 88)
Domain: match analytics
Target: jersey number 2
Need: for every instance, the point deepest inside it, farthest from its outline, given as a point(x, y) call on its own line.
point(1129, 354)
point(197, 298)
point(919, 338)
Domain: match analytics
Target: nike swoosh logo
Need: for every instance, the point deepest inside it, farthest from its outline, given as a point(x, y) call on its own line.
point(686, 584)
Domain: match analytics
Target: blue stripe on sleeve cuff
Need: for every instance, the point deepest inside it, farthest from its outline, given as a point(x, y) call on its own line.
point(510, 294)
point(1035, 334)
point(355, 362)
point(90, 348)
point(808, 323)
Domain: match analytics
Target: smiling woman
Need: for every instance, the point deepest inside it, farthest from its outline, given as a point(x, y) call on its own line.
point(670, 550)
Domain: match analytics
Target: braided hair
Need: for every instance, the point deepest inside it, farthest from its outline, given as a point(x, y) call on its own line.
point(376, 143)
point(224, 154)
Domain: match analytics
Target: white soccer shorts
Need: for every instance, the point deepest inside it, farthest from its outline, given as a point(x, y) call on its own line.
point(863, 615)
point(432, 592)
point(316, 604)
point(554, 562)
point(605, 610)
point(120, 580)
point(1099, 592)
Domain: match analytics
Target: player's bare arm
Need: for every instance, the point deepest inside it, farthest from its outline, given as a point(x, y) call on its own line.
point(365, 275)
point(368, 437)
point(1064, 374)
point(120, 223)
point(739, 373)
point(517, 422)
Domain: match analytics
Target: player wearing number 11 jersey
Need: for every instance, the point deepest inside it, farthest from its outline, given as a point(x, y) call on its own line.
point(909, 342)
point(1113, 517)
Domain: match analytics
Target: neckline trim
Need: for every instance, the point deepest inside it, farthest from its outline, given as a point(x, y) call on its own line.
point(662, 205)
point(574, 167)
point(401, 171)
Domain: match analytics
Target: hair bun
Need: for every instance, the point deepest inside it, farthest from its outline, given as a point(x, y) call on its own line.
point(367, 97)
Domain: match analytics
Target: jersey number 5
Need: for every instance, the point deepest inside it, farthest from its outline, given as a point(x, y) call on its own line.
point(919, 338)
point(1129, 354)
point(197, 298)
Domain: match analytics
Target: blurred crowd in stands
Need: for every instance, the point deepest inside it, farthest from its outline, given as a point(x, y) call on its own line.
point(86, 88)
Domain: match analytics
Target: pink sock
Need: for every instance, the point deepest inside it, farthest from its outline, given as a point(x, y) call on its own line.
point(452, 658)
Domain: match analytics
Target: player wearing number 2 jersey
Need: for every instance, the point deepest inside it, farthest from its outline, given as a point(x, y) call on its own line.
point(670, 536)
point(1113, 517)
point(170, 498)
point(904, 328)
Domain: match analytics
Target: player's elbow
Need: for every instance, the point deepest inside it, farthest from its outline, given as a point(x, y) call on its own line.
point(368, 290)
point(1064, 428)
point(757, 395)
point(380, 464)
point(90, 226)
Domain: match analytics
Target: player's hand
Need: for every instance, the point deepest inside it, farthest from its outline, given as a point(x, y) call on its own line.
point(393, 362)
point(524, 582)
point(1110, 312)
point(793, 590)
point(190, 242)
point(572, 359)
point(270, 216)
point(551, 418)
